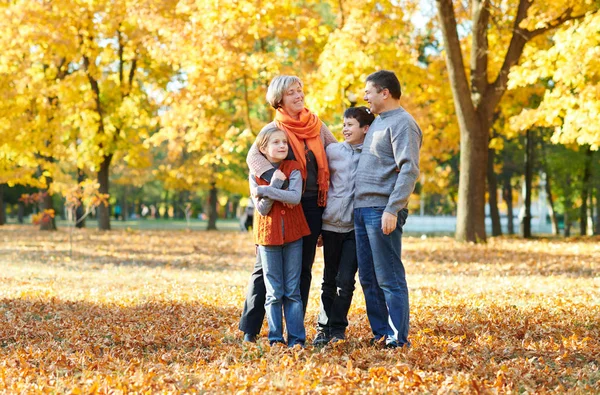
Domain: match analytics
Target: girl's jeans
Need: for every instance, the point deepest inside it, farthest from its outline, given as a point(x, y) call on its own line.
point(281, 267)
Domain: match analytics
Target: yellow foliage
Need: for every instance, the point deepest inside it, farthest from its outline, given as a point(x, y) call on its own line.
point(572, 104)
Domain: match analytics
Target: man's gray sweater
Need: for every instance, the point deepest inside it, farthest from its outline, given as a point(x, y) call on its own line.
point(388, 168)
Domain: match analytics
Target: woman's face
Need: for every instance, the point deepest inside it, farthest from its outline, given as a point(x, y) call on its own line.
point(293, 100)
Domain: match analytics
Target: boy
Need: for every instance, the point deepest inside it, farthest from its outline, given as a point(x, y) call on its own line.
point(339, 244)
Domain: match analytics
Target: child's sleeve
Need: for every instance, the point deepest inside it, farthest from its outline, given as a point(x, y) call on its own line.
point(263, 204)
point(257, 162)
point(291, 195)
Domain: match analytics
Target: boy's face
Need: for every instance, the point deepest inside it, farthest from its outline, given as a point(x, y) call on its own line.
point(353, 132)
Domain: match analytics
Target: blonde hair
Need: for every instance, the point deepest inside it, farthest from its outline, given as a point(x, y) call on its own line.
point(277, 88)
point(262, 140)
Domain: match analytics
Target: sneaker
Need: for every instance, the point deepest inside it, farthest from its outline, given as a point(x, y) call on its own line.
point(337, 337)
point(394, 344)
point(321, 339)
point(276, 343)
point(376, 340)
point(249, 338)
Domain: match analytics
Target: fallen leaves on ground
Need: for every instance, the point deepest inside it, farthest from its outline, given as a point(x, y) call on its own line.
point(157, 311)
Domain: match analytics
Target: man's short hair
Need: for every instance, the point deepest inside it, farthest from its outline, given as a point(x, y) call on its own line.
point(362, 114)
point(385, 79)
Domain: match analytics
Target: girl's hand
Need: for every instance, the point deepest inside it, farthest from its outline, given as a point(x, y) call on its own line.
point(320, 241)
point(279, 175)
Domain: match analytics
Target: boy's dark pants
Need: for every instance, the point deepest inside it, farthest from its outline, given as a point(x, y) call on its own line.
point(341, 265)
point(254, 306)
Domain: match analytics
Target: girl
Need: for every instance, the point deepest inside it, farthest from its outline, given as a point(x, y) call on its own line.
point(278, 231)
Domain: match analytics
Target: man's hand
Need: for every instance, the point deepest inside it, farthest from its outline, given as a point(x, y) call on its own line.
point(388, 223)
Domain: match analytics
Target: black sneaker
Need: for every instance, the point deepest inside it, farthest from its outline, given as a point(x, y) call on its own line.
point(376, 340)
point(392, 344)
point(336, 337)
point(249, 338)
point(321, 339)
point(395, 344)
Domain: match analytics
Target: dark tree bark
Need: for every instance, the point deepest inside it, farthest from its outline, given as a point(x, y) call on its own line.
point(124, 204)
point(585, 189)
point(79, 220)
point(20, 212)
point(212, 207)
point(2, 208)
point(597, 227)
point(104, 210)
point(548, 186)
point(507, 196)
point(526, 221)
point(492, 182)
point(475, 100)
point(553, 218)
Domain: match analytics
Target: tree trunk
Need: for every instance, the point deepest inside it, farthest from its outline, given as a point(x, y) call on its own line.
point(48, 223)
point(212, 207)
point(2, 208)
point(553, 217)
point(124, 205)
point(20, 212)
point(567, 224)
point(180, 204)
point(585, 188)
point(492, 182)
point(507, 195)
point(526, 221)
point(476, 99)
point(597, 227)
point(548, 186)
point(79, 220)
point(104, 210)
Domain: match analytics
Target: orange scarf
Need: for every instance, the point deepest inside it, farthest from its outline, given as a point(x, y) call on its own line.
point(306, 129)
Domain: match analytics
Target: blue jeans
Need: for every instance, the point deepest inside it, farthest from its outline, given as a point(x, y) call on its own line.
point(281, 267)
point(381, 274)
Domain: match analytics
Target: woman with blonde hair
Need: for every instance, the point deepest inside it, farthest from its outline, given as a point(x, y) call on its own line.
point(307, 138)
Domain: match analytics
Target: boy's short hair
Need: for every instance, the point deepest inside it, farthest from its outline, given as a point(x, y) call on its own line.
point(262, 140)
point(277, 88)
point(362, 114)
point(385, 79)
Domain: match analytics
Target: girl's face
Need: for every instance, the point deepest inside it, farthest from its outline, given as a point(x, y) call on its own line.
point(277, 147)
point(353, 132)
point(293, 100)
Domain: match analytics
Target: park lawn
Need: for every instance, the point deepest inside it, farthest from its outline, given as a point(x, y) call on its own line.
point(157, 311)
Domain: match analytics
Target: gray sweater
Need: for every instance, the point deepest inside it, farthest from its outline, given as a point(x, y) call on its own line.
point(267, 194)
point(343, 160)
point(389, 163)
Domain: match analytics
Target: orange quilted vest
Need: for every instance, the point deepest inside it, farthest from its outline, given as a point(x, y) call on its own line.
point(268, 228)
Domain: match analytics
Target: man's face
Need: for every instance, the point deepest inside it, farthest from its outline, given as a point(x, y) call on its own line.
point(374, 98)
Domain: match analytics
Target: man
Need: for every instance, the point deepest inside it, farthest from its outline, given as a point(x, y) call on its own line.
point(387, 172)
